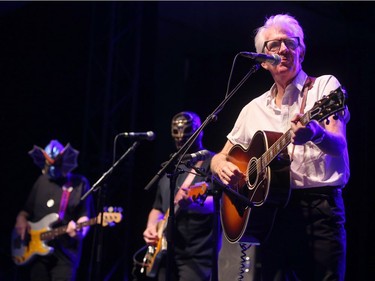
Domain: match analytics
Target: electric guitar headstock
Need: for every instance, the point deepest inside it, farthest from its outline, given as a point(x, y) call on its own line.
point(111, 216)
point(198, 192)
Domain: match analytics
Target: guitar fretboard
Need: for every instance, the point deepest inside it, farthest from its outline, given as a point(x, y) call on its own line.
point(280, 144)
point(51, 234)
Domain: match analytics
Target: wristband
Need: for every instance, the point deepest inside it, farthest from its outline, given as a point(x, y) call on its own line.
point(320, 138)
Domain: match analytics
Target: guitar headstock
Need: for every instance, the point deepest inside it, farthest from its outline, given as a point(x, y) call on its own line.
point(111, 216)
point(329, 105)
point(198, 192)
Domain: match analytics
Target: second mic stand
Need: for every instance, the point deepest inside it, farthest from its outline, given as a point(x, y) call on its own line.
point(171, 222)
point(98, 231)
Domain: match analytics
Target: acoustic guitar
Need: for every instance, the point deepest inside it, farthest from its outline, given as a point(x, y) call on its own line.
point(266, 185)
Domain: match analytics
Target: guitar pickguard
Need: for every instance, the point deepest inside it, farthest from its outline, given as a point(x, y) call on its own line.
point(23, 251)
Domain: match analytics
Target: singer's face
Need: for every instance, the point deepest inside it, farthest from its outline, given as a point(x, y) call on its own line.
point(291, 59)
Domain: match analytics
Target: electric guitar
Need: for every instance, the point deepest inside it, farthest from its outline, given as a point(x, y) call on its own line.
point(154, 254)
point(35, 242)
point(266, 185)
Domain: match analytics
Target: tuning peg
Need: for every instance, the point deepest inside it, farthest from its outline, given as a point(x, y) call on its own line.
point(112, 209)
point(109, 209)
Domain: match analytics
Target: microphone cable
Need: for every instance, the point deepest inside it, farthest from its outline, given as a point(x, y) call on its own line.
point(245, 260)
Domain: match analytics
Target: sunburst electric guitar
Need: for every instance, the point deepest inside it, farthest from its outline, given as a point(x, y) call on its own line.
point(154, 254)
point(35, 242)
point(266, 185)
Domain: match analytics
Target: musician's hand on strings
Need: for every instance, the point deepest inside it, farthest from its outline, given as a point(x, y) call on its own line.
point(182, 198)
point(150, 234)
point(229, 173)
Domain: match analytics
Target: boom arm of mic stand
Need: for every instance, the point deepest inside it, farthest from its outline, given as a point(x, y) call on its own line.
point(96, 185)
point(211, 117)
point(175, 156)
point(228, 190)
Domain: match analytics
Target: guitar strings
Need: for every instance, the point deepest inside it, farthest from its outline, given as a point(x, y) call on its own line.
point(263, 161)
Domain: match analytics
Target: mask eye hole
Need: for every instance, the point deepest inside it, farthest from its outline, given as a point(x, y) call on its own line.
point(188, 130)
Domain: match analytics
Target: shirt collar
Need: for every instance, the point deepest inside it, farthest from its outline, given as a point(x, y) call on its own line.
point(300, 80)
point(297, 82)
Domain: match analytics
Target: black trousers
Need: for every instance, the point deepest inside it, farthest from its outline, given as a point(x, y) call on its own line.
point(308, 240)
point(193, 251)
point(52, 268)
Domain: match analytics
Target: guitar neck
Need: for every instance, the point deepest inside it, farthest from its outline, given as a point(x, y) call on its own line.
point(162, 225)
point(280, 144)
point(51, 234)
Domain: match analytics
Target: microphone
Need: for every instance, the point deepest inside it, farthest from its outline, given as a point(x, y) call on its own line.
point(150, 135)
point(195, 157)
point(259, 57)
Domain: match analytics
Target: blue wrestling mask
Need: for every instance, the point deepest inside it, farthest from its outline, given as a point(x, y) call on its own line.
point(55, 159)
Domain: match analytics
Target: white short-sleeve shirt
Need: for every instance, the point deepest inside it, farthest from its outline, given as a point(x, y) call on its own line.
point(310, 166)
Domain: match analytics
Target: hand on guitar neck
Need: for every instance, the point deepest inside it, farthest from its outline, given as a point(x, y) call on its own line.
point(74, 231)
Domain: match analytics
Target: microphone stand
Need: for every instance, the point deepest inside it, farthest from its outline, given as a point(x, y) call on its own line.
point(96, 185)
point(171, 223)
point(179, 155)
point(94, 188)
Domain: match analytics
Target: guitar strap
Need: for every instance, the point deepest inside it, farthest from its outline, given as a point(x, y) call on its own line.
point(306, 87)
point(67, 189)
point(189, 179)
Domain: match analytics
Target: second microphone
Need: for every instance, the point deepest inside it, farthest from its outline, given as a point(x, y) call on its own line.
point(150, 135)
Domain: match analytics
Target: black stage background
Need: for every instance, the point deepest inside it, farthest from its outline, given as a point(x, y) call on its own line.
point(82, 72)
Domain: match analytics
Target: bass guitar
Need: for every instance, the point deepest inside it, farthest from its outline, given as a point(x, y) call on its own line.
point(35, 242)
point(266, 185)
point(154, 254)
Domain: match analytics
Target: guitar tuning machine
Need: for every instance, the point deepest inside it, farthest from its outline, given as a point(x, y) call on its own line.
point(334, 116)
point(111, 209)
